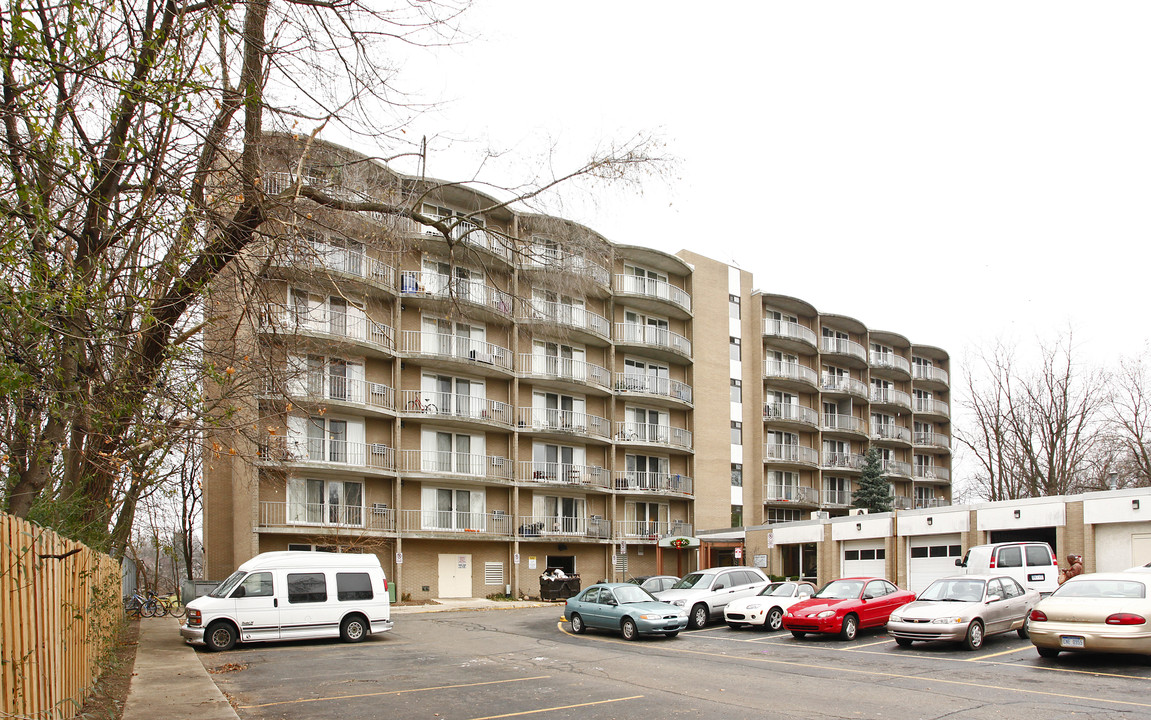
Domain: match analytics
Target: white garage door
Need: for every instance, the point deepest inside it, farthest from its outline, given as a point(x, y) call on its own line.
point(863, 557)
point(933, 557)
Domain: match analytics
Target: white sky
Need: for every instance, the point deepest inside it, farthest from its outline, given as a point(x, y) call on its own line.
point(955, 172)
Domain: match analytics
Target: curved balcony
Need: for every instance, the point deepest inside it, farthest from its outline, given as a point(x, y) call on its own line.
point(931, 473)
point(794, 494)
point(550, 258)
point(562, 422)
point(851, 351)
point(890, 433)
point(278, 182)
point(653, 434)
point(929, 375)
point(841, 461)
point(372, 337)
point(455, 524)
point(791, 336)
point(581, 322)
point(932, 442)
point(849, 424)
point(554, 473)
point(467, 233)
point(340, 264)
point(655, 341)
point(930, 406)
point(328, 454)
point(454, 409)
point(653, 483)
point(321, 388)
point(651, 387)
point(659, 292)
point(895, 468)
point(783, 454)
point(885, 363)
point(439, 463)
point(439, 290)
point(306, 517)
point(569, 373)
point(479, 356)
point(787, 415)
point(790, 376)
point(890, 397)
point(843, 385)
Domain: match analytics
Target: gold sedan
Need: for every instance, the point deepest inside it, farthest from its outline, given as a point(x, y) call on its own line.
point(1101, 612)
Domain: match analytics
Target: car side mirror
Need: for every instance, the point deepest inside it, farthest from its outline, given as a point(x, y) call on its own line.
point(804, 596)
point(612, 602)
point(958, 562)
point(993, 598)
point(868, 596)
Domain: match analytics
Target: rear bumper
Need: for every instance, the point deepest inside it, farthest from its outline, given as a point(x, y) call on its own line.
point(1097, 637)
point(381, 625)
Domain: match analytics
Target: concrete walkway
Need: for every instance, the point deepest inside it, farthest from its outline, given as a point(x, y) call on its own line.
point(169, 681)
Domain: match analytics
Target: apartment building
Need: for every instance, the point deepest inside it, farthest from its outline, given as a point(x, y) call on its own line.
point(528, 395)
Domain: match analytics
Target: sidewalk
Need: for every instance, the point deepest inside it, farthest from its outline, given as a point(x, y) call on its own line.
point(169, 680)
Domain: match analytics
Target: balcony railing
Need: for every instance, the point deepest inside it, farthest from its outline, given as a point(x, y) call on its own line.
point(326, 451)
point(775, 369)
point(551, 257)
point(556, 473)
point(652, 288)
point(319, 386)
point(340, 325)
point(789, 330)
point(653, 482)
point(773, 492)
point(564, 315)
point(562, 421)
point(902, 502)
point(845, 460)
point(664, 387)
point(453, 347)
point(277, 182)
point(467, 232)
point(838, 498)
point(843, 384)
point(844, 423)
point(332, 258)
point(440, 462)
point(890, 431)
point(929, 372)
point(452, 521)
point(783, 452)
point(922, 502)
point(636, 334)
point(890, 396)
point(593, 526)
point(452, 405)
point(889, 361)
point(445, 287)
point(841, 346)
point(293, 514)
point(932, 472)
point(933, 439)
point(649, 529)
point(932, 406)
point(653, 433)
point(791, 413)
point(553, 367)
point(895, 467)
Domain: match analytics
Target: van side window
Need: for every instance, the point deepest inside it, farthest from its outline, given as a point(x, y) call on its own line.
point(256, 585)
point(1038, 555)
point(307, 588)
point(1009, 557)
point(353, 586)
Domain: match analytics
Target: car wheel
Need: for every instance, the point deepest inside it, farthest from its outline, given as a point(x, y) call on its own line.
point(220, 636)
point(628, 629)
point(577, 624)
point(354, 629)
point(774, 619)
point(974, 639)
point(799, 634)
point(698, 616)
point(850, 627)
point(1023, 630)
point(1047, 652)
point(903, 642)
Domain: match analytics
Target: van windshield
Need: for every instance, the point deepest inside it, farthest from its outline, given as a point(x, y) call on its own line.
point(225, 588)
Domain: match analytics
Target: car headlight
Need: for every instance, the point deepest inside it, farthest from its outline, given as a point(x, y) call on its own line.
point(650, 616)
point(948, 621)
point(753, 606)
point(680, 602)
point(894, 618)
point(826, 614)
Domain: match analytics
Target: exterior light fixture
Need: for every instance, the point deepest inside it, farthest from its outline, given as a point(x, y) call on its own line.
point(1016, 513)
point(929, 521)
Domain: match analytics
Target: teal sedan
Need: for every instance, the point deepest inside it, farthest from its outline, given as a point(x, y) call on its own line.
point(626, 608)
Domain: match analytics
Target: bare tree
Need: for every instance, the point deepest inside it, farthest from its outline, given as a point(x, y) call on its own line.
point(1129, 419)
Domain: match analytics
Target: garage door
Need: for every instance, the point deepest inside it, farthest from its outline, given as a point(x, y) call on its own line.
point(933, 557)
point(863, 557)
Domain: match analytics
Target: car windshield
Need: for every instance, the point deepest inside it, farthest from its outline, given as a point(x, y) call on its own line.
point(625, 595)
point(954, 591)
point(225, 587)
point(1101, 589)
point(778, 589)
point(841, 589)
point(636, 581)
point(693, 581)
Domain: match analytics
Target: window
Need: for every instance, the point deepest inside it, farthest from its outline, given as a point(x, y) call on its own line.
point(779, 515)
point(307, 588)
point(736, 390)
point(1009, 557)
point(736, 433)
point(735, 349)
point(733, 307)
point(736, 475)
point(326, 501)
point(353, 586)
point(255, 585)
point(1038, 555)
point(737, 516)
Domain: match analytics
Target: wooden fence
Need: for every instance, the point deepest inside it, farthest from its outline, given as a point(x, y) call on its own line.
point(59, 615)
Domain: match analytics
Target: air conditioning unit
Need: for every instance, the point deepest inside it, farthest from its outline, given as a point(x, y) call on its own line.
point(379, 508)
point(820, 515)
point(857, 511)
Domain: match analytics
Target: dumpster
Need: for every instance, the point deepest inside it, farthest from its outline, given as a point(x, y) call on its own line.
point(552, 589)
point(192, 589)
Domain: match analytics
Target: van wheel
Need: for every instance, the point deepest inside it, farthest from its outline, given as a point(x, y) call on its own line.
point(354, 629)
point(220, 636)
point(698, 616)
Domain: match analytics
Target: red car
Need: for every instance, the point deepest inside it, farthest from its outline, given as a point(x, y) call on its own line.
point(844, 606)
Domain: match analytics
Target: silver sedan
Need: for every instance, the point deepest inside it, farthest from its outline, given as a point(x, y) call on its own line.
point(965, 609)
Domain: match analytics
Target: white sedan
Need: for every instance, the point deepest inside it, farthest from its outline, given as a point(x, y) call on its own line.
point(1100, 612)
point(766, 609)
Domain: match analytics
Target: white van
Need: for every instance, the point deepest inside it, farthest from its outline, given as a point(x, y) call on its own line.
point(1032, 564)
point(292, 596)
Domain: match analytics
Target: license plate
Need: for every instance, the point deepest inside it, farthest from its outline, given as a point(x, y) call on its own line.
point(1036, 577)
point(1070, 641)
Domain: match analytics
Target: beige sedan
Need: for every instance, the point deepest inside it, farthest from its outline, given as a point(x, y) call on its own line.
point(1101, 612)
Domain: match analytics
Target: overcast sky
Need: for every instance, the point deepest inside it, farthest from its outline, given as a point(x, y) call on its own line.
point(955, 172)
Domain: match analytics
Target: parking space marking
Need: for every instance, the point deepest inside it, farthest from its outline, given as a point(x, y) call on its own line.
point(559, 707)
point(1005, 652)
point(885, 641)
point(392, 692)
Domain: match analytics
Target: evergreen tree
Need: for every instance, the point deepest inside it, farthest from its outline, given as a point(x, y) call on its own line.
point(873, 492)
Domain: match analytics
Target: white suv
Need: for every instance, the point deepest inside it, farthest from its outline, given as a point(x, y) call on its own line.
point(706, 592)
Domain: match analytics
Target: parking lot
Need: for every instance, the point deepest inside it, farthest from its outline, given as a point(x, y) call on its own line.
point(524, 662)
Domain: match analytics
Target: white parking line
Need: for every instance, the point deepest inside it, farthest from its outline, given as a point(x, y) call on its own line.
point(877, 642)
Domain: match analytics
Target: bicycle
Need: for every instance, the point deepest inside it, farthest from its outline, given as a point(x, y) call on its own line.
point(137, 606)
point(422, 406)
point(174, 607)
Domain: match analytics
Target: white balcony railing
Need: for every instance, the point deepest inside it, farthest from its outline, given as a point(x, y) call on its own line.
point(782, 452)
point(932, 472)
point(650, 529)
point(845, 423)
point(451, 521)
point(438, 462)
point(653, 482)
point(556, 473)
point(553, 367)
point(302, 514)
point(838, 498)
point(932, 502)
point(842, 346)
point(890, 431)
point(345, 261)
point(775, 492)
point(931, 406)
point(844, 460)
point(318, 386)
point(328, 451)
point(548, 256)
point(453, 347)
point(650, 385)
point(564, 315)
point(895, 467)
point(929, 372)
point(321, 321)
point(891, 361)
point(890, 396)
point(445, 287)
point(791, 413)
point(652, 288)
point(653, 433)
point(562, 525)
point(562, 421)
point(843, 384)
point(789, 330)
point(650, 335)
point(790, 371)
point(453, 405)
point(933, 439)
